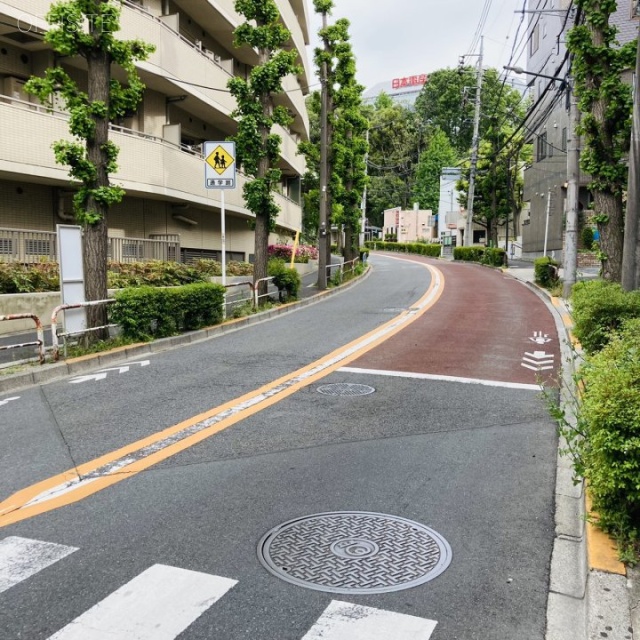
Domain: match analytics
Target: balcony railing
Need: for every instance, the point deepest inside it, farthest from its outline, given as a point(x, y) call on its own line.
point(27, 247)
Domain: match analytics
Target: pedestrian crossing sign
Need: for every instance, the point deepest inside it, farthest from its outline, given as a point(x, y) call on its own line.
point(220, 165)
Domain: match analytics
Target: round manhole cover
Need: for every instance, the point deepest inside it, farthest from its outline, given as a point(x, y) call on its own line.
point(354, 552)
point(345, 389)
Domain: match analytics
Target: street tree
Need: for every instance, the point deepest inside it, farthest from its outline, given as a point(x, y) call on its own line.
point(257, 148)
point(439, 153)
point(311, 178)
point(605, 102)
point(349, 144)
point(86, 28)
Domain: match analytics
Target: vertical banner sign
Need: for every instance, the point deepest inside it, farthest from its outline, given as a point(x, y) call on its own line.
point(71, 267)
point(220, 173)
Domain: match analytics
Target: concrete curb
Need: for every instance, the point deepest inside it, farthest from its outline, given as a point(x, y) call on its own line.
point(583, 604)
point(42, 374)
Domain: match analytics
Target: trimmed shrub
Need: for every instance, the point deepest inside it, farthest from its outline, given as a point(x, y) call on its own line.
point(492, 256)
point(545, 272)
point(29, 278)
point(304, 253)
point(610, 415)
point(145, 313)
point(599, 308)
point(586, 235)
point(421, 248)
point(287, 280)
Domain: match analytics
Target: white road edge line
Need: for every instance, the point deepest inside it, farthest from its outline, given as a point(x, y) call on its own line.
point(158, 604)
point(345, 621)
point(430, 376)
point(21, 558)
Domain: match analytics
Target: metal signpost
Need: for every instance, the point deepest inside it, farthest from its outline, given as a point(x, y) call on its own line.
point(220, 173)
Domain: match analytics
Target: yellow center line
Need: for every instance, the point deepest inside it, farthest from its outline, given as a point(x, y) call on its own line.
point(93, 476)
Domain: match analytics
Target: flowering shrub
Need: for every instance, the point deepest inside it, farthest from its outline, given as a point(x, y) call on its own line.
point(304, 252)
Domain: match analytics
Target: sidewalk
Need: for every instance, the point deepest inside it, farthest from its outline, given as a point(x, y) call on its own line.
point(591, 594)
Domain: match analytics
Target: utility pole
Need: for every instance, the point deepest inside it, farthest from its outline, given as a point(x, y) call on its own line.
point(468, 232)
point(324, 153)
point(573, 191)
point(546, 225)
point(363, 205)
point(631, 248)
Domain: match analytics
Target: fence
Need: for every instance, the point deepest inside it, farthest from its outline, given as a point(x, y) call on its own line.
point(26, 247)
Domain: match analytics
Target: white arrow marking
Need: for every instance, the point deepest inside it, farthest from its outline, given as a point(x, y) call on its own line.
point(93, 376)
point(536, 367)
point(7, 400)
point(123, 369)
point(540, 338)
point(539, 355)
point(142, 363)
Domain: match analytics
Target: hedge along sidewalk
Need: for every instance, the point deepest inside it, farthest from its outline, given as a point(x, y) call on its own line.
point(586, 599)
point(41, 374)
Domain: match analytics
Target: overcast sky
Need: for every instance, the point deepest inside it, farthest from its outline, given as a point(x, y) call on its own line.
point(399, 38)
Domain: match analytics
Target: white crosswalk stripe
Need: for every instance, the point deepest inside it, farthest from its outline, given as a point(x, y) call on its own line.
point(162, 601)
point(21, 558)
point(158, 604)
point(345, 621)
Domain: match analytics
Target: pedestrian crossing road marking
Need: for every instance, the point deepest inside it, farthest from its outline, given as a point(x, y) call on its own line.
point(161, 602)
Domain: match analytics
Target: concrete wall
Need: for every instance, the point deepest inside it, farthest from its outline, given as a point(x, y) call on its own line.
point(42, 304)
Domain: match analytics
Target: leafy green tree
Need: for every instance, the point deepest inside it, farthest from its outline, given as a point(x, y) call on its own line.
point(92, 156)
point(349, 145)
point(311, 178)
point(605, 103)
point(257, 148)
point(438, 154)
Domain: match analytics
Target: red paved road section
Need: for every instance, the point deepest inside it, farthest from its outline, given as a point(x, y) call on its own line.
point(481, 327)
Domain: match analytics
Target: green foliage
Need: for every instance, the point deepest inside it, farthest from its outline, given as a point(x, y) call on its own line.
point(439, 153)
point(545, 272)
point(599, 309)
point(610, 414)
point(145, 313)
point(422, 249)
point(491, 256)
point(31, 278)
point(287, 280)
point(586, 235)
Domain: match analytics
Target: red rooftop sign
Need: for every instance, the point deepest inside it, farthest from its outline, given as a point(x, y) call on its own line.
point(409, 81)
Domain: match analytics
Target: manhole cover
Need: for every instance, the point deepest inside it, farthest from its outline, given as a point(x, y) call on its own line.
point(345, 389)
point(354, 552)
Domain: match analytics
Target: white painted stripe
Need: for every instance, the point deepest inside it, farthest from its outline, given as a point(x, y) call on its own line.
point(21, 558)
point(158, 604)
point(344, 621)
point(430, 376)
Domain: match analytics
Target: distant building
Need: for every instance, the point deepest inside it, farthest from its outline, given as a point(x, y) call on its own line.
point(402, 90)
point(410, 225)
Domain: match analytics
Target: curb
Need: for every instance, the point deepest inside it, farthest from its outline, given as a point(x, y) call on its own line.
point(588, 598)
point(41, 374)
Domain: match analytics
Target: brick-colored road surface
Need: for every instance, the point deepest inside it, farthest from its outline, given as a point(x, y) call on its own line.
point(483, 326)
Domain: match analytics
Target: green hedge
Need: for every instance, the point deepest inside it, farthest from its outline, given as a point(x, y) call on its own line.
point(491, 256)
point(545, 272)
point(30, 278)
point(145, 313)
point(421, 248)
point(287, 280)
point(598, 309)
point(610, 419)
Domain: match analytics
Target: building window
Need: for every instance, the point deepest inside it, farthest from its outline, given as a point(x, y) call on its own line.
point(541, 147)
point(534, 43)
point(564, 139)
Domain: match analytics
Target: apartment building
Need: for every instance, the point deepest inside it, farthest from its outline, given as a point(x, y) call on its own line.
point(545, 180)
point(167, 211)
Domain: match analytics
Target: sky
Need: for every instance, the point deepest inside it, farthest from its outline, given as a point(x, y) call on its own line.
point(400, 38)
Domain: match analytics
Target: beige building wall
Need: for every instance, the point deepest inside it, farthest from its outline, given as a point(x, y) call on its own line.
point(411, 225)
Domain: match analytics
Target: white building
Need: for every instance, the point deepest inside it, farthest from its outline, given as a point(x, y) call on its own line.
point(167, 211)
point(413, 225)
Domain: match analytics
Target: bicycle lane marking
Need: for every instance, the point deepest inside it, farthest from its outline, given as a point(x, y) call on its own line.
point(90, 477)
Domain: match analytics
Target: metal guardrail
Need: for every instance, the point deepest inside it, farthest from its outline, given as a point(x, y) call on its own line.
point(54, 323)
point(342, 268)
point(39, 333)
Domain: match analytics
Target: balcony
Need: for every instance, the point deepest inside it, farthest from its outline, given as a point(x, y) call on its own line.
point(147, 165)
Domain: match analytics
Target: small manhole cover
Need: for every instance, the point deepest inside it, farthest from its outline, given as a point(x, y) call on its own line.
point(345, 389)
point(354, 552)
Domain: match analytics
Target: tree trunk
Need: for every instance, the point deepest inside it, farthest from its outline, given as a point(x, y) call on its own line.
point(95, 235)
point(260, 253)
point(611, 233)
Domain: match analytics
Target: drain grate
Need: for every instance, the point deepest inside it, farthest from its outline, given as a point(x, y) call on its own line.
point(354, 552)
point(345, 389)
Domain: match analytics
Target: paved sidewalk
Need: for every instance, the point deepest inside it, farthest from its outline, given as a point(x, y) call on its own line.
point(592, 595)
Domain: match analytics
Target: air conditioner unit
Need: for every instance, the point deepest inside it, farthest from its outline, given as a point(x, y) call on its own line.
point(14, 87)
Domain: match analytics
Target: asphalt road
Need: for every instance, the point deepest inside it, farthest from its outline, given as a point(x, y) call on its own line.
point(454, 436)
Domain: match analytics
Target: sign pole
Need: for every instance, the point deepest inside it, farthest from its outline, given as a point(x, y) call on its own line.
point(223, 233)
